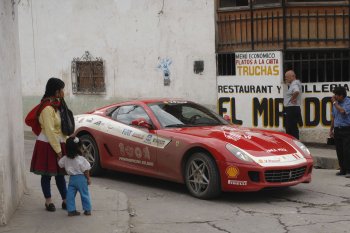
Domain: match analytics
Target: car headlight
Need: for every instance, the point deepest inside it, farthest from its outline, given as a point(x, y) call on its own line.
point(302, 147)
point(238, 153)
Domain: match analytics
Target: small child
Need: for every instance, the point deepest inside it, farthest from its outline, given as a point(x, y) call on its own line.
point(77, 167)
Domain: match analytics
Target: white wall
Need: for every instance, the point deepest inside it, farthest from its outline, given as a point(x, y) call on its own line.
point(131, 36)
point(12, 179)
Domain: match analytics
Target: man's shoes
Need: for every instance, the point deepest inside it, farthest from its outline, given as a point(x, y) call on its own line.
point(340, 173)
point(64, 205)
point(347, 175)
point(87, 213)
point(73, 213)
point(50, 207)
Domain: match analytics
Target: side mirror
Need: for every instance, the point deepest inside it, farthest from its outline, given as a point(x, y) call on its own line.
point(227, 118)
point(141, 122)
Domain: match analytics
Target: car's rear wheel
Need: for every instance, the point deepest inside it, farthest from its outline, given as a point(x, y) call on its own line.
point(202, 176)
point(91, 154)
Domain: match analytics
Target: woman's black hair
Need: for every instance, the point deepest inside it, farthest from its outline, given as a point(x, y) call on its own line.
point(74, 147)
point(53, 85)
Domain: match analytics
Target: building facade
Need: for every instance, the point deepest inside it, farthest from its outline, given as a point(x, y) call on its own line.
point(313, 36)
point(112, 50)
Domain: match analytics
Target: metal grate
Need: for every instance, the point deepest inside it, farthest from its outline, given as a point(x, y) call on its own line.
point(226, 64)
point(319, 65)
point(275, 176)
point(283, 26)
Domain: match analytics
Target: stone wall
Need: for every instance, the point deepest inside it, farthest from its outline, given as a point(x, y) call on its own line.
point(12, 176)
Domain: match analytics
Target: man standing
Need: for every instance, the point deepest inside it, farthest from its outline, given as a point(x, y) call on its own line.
point(340, 129)
point(291, 102)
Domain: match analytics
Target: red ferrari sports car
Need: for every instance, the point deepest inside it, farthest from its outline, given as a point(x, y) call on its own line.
point(184, 142)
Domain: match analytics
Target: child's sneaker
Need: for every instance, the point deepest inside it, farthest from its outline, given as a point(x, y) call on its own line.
point(73, 213)
point(87, 212)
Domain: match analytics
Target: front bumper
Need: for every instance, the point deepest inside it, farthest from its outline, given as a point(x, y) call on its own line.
point(254, 177)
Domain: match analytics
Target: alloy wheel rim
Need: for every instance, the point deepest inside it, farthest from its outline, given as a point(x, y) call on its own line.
point(89, 152)
point(198, 176)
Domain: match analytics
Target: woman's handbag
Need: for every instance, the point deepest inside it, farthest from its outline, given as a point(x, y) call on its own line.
point(67, 119)
point(32, 120)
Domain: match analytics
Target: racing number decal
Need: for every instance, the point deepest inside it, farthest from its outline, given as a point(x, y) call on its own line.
point(135, 155)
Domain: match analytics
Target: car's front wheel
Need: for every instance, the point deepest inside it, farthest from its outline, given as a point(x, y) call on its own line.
point(91, 154)
point(202, 176)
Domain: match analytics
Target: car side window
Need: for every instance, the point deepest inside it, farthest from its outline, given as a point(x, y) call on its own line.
point(126, 114)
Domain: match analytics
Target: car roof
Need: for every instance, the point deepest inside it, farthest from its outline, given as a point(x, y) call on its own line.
point(149, 101)
point(139, 101)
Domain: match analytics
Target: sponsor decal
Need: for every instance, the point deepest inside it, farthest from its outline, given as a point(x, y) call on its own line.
point(81, 119)
point(134, 153)
point(175, 102)
point(276, 150)
point(148, 139)
point(137, 161)
point(121, 130)
point(127, 132)
point(235, 134)
point(159, 142)
point(232, 135)
point(270, 160)
point(237, 182)
point(284, 160)
point(138, 135)
point(232, 172)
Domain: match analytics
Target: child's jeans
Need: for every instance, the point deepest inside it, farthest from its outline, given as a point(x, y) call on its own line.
point(78, 183)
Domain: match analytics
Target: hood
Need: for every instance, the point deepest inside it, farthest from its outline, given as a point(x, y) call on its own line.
point(254, 141)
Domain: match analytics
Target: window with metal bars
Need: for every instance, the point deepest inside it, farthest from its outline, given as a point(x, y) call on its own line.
point(319, 65)
point(309, 65)
point(226, 64)
point(233, 3)
point(88, 75)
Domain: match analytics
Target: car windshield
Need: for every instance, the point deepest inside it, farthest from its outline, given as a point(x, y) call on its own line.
point(185, 114)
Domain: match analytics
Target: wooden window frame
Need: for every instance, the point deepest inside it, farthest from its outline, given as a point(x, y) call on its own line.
point(88, 76)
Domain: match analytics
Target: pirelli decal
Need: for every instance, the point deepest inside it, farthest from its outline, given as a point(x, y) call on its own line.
point(117, 129)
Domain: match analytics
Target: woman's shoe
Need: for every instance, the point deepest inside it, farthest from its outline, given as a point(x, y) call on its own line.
point(50, 207)
point(64, 205)
point(73, 213)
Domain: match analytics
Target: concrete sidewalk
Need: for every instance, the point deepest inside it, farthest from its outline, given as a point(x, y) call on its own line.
point(109, 215)
point(324, 157)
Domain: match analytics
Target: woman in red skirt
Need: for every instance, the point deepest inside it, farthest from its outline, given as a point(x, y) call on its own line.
point(50, 144)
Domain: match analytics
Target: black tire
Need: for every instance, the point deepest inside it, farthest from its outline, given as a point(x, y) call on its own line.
point(91, 154)
point(202, 177)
